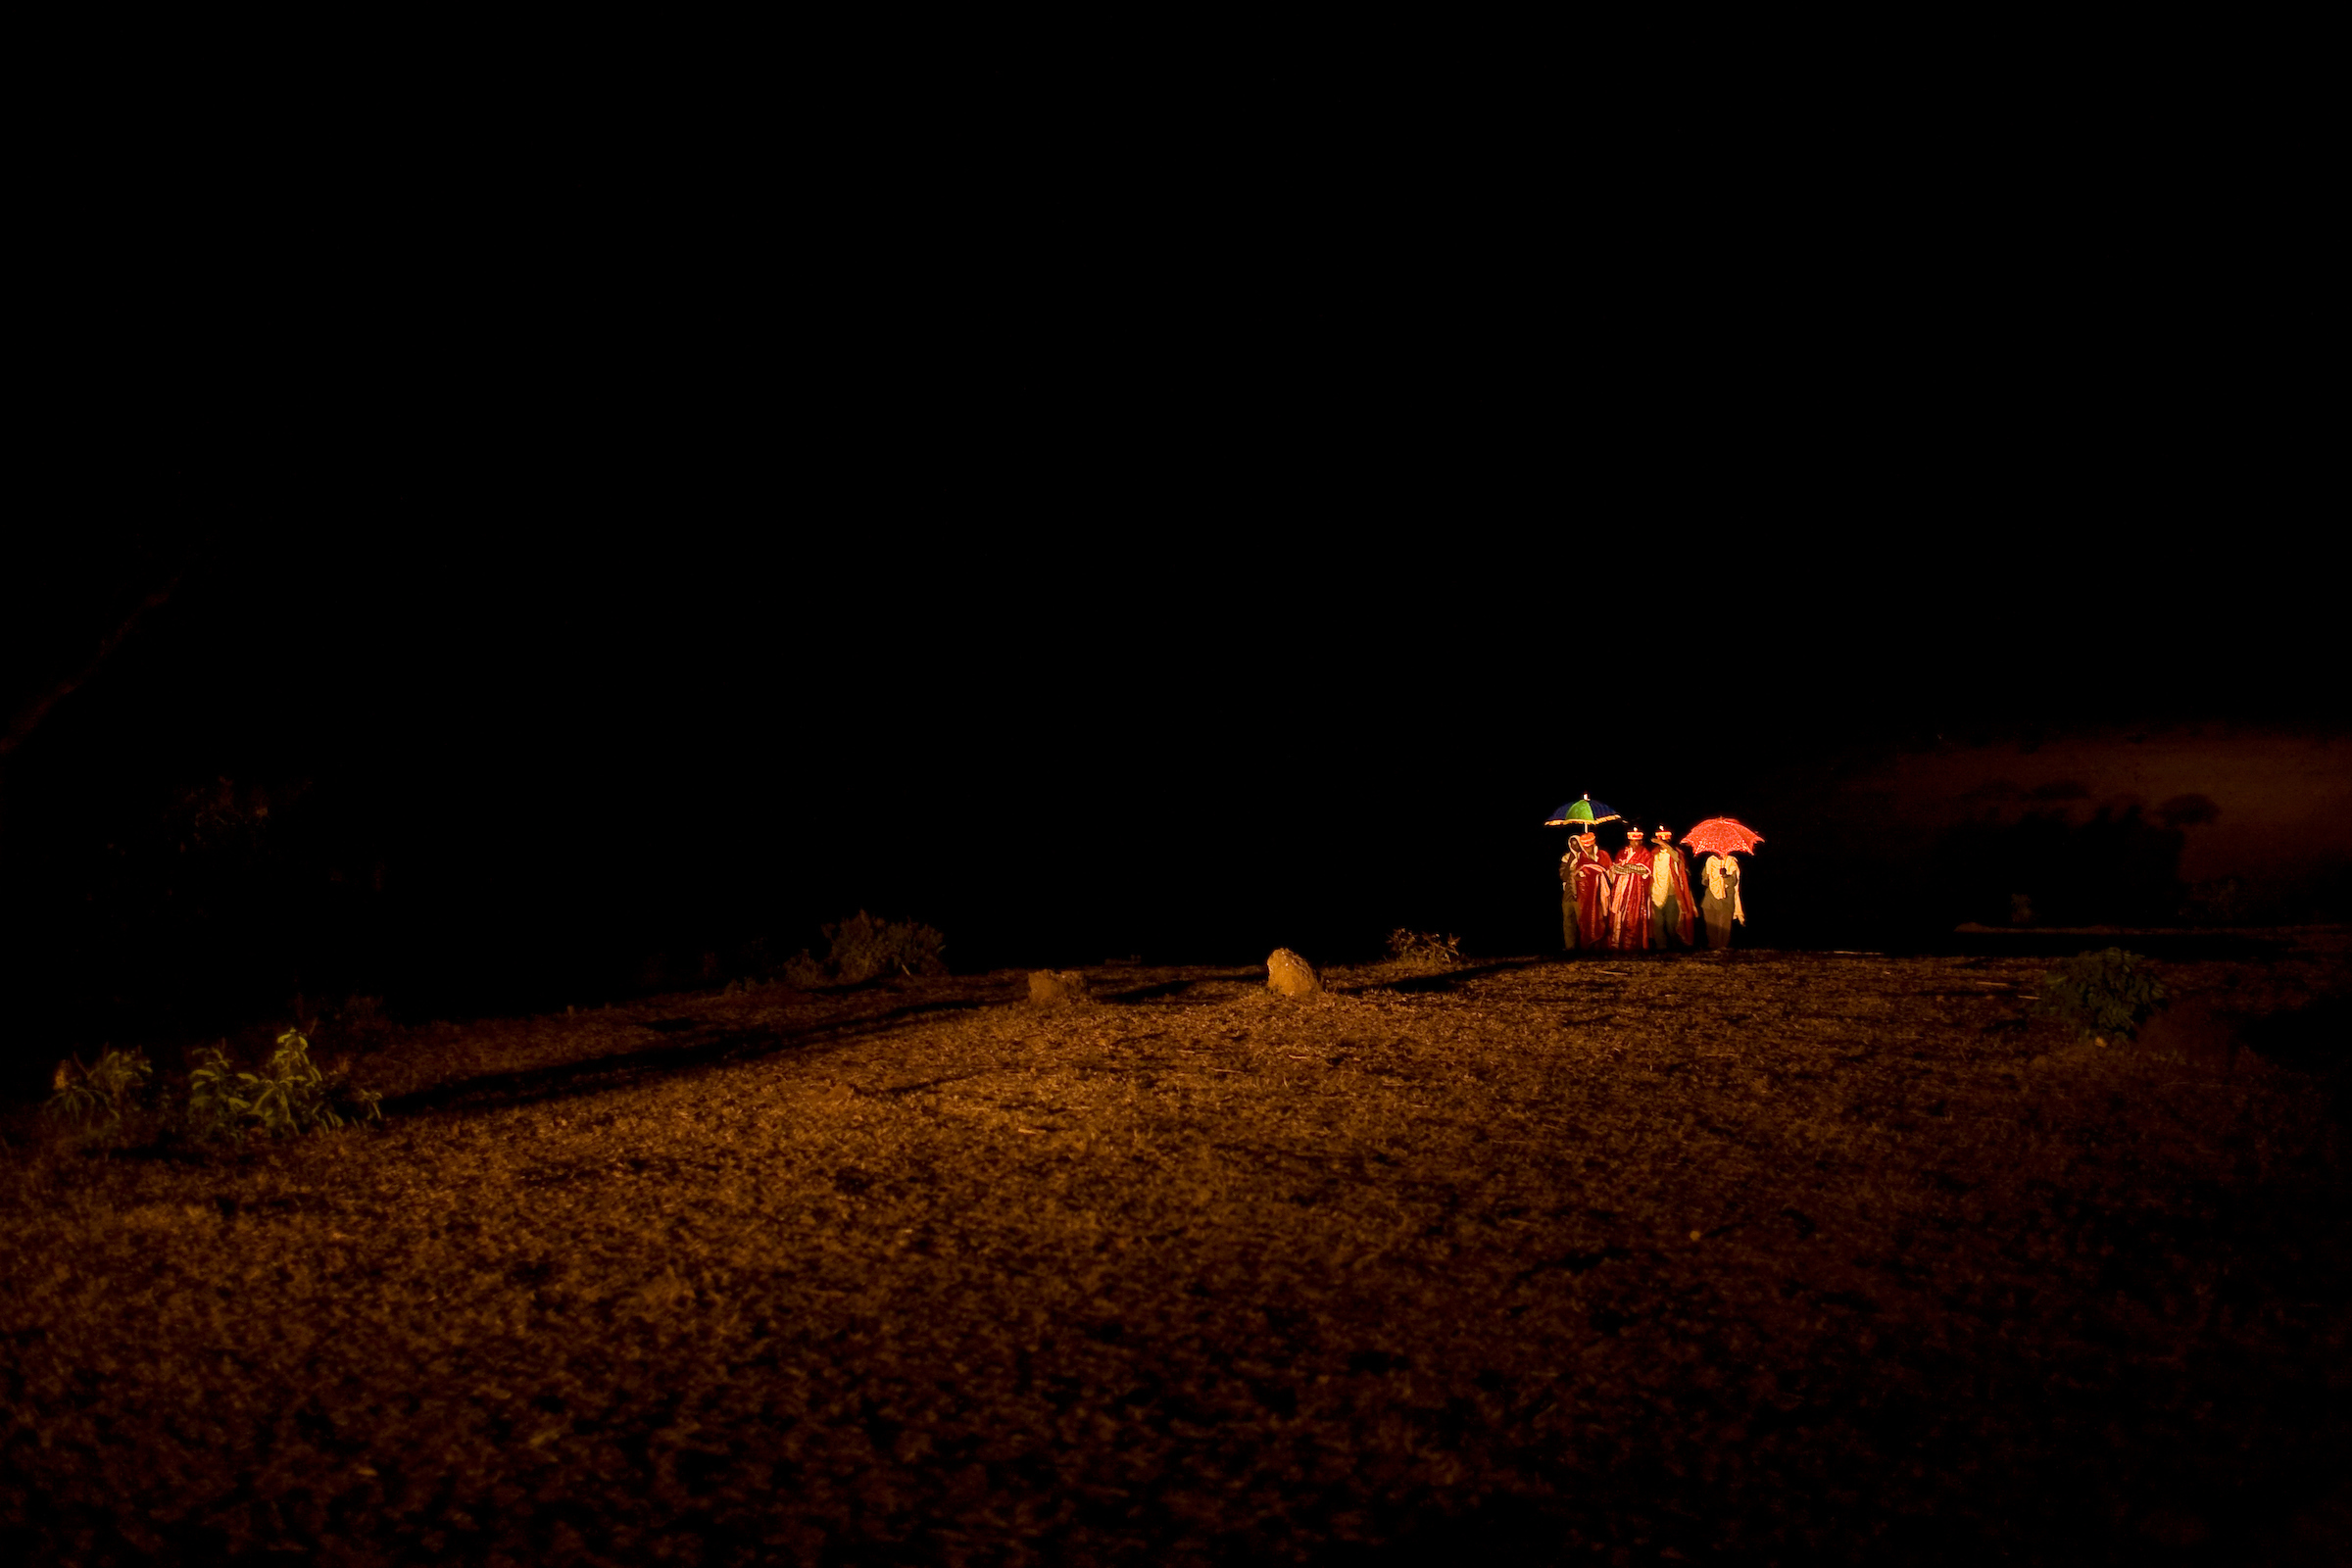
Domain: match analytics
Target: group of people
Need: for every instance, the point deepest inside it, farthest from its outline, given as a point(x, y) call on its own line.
point(1641, 896)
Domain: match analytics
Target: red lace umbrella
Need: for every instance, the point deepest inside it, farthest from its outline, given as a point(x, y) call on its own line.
point(1720, 835)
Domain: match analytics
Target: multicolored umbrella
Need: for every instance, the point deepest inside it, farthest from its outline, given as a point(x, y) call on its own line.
point(1721, 835)
point(1581, 814)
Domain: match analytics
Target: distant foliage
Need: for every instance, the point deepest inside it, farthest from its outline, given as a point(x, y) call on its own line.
point(2220, 902)
point(195, 904)
point(861, 948)
point(804, 972)
point(288, 1095)
point(95, 1098)
point(2102, 996)
point(1425, 948)
point(361, 1025)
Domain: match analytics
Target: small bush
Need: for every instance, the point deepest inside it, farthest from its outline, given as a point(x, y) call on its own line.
point(96, 1098)
point(1424, 948)
point(861, 948)
point(804, 972)
point(2102, 996)
point(288, 1095)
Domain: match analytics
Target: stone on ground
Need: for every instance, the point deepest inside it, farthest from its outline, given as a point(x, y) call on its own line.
point(1291, 975)
point(1048, 987)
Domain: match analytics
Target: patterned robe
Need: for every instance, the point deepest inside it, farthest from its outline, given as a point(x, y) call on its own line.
point(1583, 888)
point(1628, 899)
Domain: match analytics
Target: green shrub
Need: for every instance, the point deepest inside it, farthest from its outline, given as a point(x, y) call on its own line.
point(288, 1095)
point(861, 948)
point(1425, 948)
point(96, 1098)
point(2102, 996)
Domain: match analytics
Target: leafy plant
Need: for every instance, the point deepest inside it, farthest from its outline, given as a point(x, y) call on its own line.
point(96, 1098)
point(1425, 948)
point(861, 948)
point(2102, 996)
point(288, 1095)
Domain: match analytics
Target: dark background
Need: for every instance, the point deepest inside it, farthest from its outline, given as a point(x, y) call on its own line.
point(593, 554)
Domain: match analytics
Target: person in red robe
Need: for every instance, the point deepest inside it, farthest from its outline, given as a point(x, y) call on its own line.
point(1672, 909)
point(1584, 887)
point(1629, 895)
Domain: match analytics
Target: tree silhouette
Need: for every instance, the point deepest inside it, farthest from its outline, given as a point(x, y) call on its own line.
point(28, 717)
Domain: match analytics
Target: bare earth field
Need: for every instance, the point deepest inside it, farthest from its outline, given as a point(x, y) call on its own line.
point(1781, 1258)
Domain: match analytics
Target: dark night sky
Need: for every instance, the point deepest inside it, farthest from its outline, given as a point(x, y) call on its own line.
point(1101, 556)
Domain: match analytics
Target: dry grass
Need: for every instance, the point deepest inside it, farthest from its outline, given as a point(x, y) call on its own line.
point(1793, 1257)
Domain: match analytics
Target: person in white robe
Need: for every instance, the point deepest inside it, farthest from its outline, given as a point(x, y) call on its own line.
point(1719, 898)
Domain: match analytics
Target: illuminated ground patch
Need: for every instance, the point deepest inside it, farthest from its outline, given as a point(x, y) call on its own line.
point(1795, 1257)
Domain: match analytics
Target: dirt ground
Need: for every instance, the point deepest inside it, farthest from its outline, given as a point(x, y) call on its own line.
point(1779, 1258)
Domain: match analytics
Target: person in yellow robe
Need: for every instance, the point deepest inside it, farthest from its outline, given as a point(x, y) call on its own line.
point(1719, 898)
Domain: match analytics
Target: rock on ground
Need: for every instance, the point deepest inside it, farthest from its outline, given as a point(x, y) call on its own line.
point(1048, 987)
point(1290, 975)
